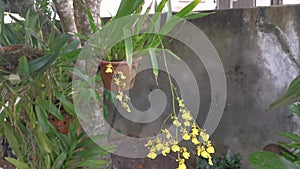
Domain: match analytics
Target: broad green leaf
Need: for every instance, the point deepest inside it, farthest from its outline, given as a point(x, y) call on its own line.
point(128, 7)
point(153, 62)
point(72, 54)
point(17, 163)
point(128, 45)
point(42, 63)
point(70, 47)
point(61, 42)
point(291, 96)
point(268, 160)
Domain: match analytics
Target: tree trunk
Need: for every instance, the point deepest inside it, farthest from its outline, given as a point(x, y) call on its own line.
point(65, 11)
point(81, 17)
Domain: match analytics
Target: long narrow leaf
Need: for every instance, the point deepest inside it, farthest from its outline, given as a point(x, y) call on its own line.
point(153, 62)
point(197, 15)
point(188, 9)
point(128, 45)
point(128, 7)
point(51, 108)
point(291, 96)
point(42, 119)
point(161, 6)
point(91, 19)
point(17, 163)
point(23, 68)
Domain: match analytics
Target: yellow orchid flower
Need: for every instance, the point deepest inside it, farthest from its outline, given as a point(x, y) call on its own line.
point(109, 68)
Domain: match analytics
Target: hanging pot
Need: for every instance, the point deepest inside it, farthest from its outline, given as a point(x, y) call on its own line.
point(62, 126)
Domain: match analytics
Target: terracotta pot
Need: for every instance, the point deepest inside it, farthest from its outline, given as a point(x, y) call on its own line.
point(124, 67)
point(62, 126)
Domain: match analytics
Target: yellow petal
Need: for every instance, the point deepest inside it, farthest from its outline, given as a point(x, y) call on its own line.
point(149, 143)
point(187, 123)
point(210, 150)
point(120, 96)
point(181, 164)
point(159, 146)
point(195, 140)
point(152, 155)
point(186, 136)
point(210, 161)
point(186, 155)
point(175, 148)
point(165, 151)
point(195, 131)
point(109, 68)
point(186, 116)
point(204, 136)
point(205, 154)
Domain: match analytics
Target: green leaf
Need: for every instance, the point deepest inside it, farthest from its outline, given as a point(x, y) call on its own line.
point(42, 118)
point(153, 61)
point(188, 9)
point(128, 7)
point(61, 42)
point(51, 108)
point(42, 63)
point(295, 108)
point(43, 140)
point(291, 136)
point(91, 19)
point(197, 15)
point(268, 160)
point(89, 141)
point(295, 145)
point(12, 140)
point(17, 163)
point(59, 161)
point(161, 6)
point(291, 96)
point(67, 105)
point(23, 68)
point(72, 54)
point(128, 45)
point(91, 163)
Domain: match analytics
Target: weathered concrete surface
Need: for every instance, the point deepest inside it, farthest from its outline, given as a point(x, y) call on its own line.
point(259, 49)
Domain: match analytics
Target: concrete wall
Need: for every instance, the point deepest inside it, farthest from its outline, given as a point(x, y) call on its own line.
point(259, 49)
